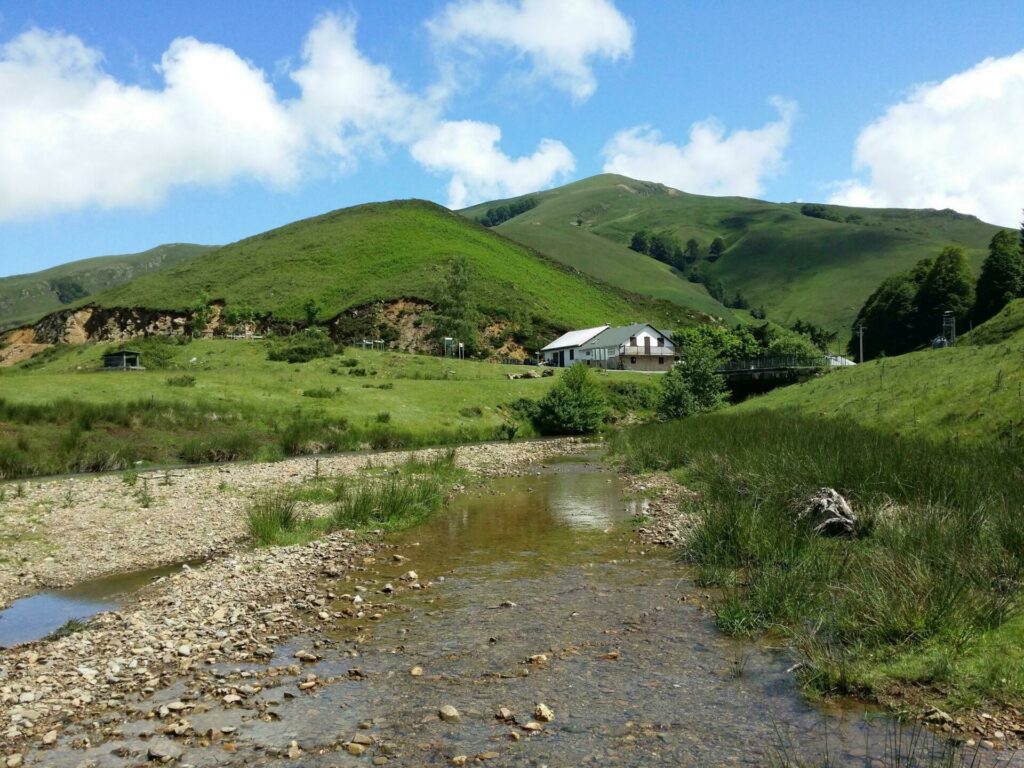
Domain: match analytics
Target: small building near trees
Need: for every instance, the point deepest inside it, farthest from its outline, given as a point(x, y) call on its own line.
point(637, 347)
point(123, 360)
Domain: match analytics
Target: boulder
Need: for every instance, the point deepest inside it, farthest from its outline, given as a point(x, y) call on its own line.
point(828, 514)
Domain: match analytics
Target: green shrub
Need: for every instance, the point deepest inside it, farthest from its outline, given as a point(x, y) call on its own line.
point(392, 503)
point(233, 446)
point(692, 386)
point(574, 406)
point(627, 396)
point(302, 347)
point(185, 380)
point(384, 417)
point(471, 412)
point(322, 393)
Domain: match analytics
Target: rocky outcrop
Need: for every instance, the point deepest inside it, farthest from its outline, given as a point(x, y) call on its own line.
point(92, 323)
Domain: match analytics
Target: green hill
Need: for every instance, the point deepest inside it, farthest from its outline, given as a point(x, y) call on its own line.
point(385, 251)
point(796, 265)
point(970, 393)
point(25, 298)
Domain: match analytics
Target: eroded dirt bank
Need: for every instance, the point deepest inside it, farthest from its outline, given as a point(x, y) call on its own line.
point(58, 532)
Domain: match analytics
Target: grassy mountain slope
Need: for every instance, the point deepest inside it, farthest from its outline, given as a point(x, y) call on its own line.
point(24, 298)
point(797, 266)
point(551, 228)
point(971, 392)
point(384, 251)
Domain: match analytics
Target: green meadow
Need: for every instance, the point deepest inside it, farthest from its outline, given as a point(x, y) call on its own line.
point(219, 400)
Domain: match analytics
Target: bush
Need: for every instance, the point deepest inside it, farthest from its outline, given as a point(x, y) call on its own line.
point(574, 406)
point(307, 345)
point(384, 417)
point(322, 393)
point(625, 396)
point(392, 503)
point(471, 412)
point(185, 380)
point(233, 446)
point(692, 386)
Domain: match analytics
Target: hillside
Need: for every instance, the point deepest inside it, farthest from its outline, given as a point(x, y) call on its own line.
point(795, 265)
point(381, 252)
point(25, 298)
point(969, 393)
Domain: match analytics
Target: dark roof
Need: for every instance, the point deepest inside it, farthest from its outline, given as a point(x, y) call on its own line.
point(121, 352)
point(613, 337)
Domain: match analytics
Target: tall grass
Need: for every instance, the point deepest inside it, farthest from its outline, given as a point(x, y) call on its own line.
point(938, 556)
point(391, 503)
point(271, 515)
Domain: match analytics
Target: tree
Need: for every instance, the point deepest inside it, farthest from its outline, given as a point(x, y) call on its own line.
point(312, 310)
point(692, 252)
point(819, 337)
point(949, 287)
point(641, 242)
point(455, 314)
point(892, 317)
point(716, 249)
point(661, 245)
point(693, 385)
point(574, 406)
point(1002, 276)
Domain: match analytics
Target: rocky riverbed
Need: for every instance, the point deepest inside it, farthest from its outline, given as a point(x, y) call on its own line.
point(59, 532)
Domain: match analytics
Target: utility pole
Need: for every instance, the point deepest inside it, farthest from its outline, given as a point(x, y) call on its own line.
point(860, 334)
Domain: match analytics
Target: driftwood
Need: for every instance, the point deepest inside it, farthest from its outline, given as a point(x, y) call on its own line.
point(828, 514)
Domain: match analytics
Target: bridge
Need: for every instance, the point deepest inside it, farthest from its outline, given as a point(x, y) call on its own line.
point(746, 377)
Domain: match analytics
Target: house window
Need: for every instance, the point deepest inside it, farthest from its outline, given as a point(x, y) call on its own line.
point(632, 361)
point(661, 341)
point(572, 354)
point(632, 341)
point(661, 361)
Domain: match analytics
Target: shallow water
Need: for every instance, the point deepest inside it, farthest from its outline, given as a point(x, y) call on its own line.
point(636, 674)
point(32, 618)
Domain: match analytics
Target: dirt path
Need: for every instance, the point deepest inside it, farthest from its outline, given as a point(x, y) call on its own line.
point(59, 532)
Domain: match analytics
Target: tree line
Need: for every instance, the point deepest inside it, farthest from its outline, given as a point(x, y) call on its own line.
point(502, 213)
point(906, 311)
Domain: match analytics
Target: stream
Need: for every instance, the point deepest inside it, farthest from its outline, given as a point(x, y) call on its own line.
point(539, 596)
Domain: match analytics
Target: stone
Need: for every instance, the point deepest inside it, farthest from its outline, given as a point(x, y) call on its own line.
point(14, 761)
point(184, 650)
point(504, 713)
point(163, 750)
point(355, 749)
point(533, 726)
point(410, 576)
point(416, 671)
point(50, 737)
point(294, 750)
point(538, 658)
point(937, 717)
point(828, 514)
point(460, 760)
point(362, 738)
point(307, 656)
point(544, 713)
point(488, 755)
point(449, 714)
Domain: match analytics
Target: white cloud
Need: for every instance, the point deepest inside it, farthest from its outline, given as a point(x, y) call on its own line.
point(954, 144)
point(348, 103)
point(73, 136)
point(712, 162)
point(480, 170)
point(560, 37)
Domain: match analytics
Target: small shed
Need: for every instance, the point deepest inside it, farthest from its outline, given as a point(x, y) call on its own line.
point(123, 360)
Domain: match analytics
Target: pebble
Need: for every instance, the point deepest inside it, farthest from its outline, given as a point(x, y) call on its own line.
point(544, 713)
point(416, 671)
point(355, 749)
point(449, 714)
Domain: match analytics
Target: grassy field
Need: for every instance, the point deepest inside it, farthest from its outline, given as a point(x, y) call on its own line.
point(927, 590)
point(795, 265)
point(971, 393)
point(26, 298)
point(388, 251)
point(221, 400)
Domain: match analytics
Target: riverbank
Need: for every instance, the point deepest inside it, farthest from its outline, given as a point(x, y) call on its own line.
point(233, 610)
point(910, 598)
point(62, 531)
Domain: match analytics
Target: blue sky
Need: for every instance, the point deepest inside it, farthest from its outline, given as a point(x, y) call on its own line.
point(262, 116)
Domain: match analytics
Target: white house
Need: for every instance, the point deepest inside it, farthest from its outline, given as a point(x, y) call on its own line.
point(561, 352)
point(638, 347)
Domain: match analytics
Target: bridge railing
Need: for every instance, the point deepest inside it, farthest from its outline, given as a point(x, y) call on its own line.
point(775, 364)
